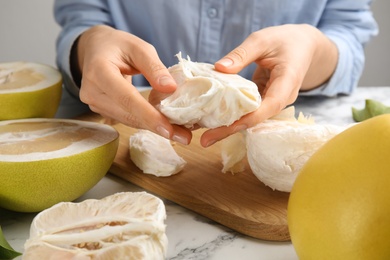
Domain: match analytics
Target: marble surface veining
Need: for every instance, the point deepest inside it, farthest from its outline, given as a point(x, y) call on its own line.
point(194, 237)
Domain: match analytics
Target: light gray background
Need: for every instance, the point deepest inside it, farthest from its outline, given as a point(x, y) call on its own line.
point(28, 32)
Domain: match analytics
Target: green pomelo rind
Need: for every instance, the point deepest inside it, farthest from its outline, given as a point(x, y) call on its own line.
point(40, 103)
point(37, 185)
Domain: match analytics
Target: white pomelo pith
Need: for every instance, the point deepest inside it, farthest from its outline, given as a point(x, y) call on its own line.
point(278, 148)
point(154, 154)
point(126, 225)
point(206, 97)
point(45, 161)
point(29, 90)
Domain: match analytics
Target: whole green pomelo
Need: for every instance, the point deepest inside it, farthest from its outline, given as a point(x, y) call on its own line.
point(29, 90)
point(46, 161)
point(339, 206)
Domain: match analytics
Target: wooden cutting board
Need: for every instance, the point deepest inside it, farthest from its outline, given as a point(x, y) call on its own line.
point(240, 201)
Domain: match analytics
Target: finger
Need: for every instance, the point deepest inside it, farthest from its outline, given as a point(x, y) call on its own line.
point(117, 113)
point(135, 118)
point(261, 78)
point(181, 134)
point(234, 61)
point(212, 136)
point(146, 60)
point(247, 52)
point(106, 79)
point(120, 100)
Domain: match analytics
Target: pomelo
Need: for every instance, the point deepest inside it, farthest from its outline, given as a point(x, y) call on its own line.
point(206, 97)
point(45, 161)
point(279, 147)
point(29, 90)
point(154, 154)
point(126, 225)
point(339, 206)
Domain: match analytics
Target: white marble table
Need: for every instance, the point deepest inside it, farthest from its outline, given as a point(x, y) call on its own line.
point(192, 236)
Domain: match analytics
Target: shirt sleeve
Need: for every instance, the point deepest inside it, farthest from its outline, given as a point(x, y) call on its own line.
point(350, 24)
point(75, 16)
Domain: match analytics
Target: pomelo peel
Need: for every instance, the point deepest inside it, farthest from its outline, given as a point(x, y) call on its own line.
point(339, 206)
point(29, 90)
point(33, 181)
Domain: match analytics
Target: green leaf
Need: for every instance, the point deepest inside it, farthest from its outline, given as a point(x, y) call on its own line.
point(6, 251)
point(372, 108)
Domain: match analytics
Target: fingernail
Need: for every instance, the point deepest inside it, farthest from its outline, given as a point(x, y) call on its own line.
point(180, 139)
point(163, 132)
point(210, 143)
point(240, 128)
point(166, 81)
point(226, 62)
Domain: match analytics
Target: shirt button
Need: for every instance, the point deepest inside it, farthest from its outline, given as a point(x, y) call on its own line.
point(212, 12)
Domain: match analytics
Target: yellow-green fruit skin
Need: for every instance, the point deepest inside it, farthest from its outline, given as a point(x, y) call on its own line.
point(339, 207)
point(42, 103)
point(37, 185)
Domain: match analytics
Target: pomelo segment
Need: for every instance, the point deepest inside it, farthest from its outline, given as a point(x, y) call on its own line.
point(29, 90)
point(206, 97)
point(45, 161)
point(279, 147)
point(154, 154)
point(126, 225)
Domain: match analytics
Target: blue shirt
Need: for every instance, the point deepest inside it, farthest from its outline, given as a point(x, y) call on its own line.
point(206, 30)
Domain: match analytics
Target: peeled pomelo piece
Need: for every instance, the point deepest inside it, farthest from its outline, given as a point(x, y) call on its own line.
point(206, 97)
point(154, 154)
point(278, 148)
point(45, 161)
point(126, 225)
point(29, 90)
point(233, 153)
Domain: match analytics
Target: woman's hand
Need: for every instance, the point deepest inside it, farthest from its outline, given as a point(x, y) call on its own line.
point(289, 58)
point(107, 59)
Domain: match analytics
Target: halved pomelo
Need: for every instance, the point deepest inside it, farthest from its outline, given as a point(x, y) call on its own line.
point(45, 161)
point(29, 90)
point(126, 225)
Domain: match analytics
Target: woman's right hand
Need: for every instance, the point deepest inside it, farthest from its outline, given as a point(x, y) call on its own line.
point(107, 59)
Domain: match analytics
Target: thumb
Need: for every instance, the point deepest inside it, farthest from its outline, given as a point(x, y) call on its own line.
point(149, 64)
point(234, 61)
point(160, 78)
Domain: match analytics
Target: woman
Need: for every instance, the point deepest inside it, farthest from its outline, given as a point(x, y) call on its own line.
point(286, 47)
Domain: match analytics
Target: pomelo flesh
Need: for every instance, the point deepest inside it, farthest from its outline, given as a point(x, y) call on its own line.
point(125, 225)
point(45, 161)
point(29, 90)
